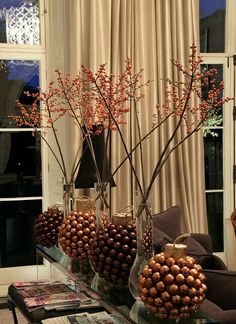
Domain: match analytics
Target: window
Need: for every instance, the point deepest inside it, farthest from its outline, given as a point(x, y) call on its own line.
point(212, 23)
point(215, 19)
point(19, 22)
point(21, 186)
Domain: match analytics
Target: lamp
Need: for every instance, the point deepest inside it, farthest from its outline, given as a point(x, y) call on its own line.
point(87, 177)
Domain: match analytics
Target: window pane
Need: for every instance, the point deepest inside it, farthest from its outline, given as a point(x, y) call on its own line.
point(20, 165)
point(19, 22)
point(213, 150)
point(219, 78)
point(16, 77)
point(212, 23)
point(17, 247)
point(215, 219)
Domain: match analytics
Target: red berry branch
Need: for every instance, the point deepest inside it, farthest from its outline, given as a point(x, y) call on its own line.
point(104, 100)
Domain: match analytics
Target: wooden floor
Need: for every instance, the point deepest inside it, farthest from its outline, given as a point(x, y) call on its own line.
point(6, 317)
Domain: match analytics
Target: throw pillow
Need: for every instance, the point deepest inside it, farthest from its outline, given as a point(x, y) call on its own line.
point(194, 247)
point(160, 239)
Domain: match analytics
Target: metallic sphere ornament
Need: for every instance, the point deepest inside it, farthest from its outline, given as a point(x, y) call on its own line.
point(76, 231)
point(172, 287)
point(47, 224)
point(113, 250)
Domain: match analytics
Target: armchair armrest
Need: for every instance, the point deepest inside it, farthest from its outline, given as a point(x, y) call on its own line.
point(221, 288)
point(217, 313)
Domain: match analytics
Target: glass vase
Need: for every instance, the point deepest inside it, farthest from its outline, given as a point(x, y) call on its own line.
point(102, 204)
point(76, 230)
point(68, 197)
point(144, 245)
point(101, 198)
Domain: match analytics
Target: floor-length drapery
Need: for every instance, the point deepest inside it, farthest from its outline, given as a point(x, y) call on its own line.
point(150, 33)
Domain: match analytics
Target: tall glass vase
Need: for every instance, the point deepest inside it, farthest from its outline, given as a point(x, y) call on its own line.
point(101, 197)
point(68, 197)
point(144, 245)
point(102, 201)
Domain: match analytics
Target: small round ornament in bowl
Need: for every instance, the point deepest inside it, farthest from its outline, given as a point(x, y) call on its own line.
point(46, 228)
point(171, 284)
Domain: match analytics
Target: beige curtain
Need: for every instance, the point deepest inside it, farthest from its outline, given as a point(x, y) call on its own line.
point(150, 32)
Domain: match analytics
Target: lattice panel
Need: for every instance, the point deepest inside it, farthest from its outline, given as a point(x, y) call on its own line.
point(22, 25)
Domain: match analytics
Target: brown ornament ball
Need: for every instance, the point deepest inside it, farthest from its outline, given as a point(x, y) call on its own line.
point(75, 232)
point(146, 242)
point(46, 227)
point(116, 244)
point(172, 288)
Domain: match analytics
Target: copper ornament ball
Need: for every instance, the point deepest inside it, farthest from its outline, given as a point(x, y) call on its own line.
point(46, 227)
point(115, 245)
point(172, 288)
point(76, 231)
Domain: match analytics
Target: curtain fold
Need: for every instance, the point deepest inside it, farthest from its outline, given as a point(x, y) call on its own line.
point(150, 33)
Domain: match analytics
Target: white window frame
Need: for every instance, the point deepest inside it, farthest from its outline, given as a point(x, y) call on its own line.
point(38, 53)
point(51, 53)
point(229, 157)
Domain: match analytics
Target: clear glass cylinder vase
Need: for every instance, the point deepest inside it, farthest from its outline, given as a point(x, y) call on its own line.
point(102, 204)
point(68, 197)
point(101, 197)
point(144, 234)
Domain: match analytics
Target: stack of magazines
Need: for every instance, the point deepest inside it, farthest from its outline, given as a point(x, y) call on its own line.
point(51, 295)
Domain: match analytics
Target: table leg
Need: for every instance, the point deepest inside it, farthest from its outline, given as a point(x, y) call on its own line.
point(13, 310)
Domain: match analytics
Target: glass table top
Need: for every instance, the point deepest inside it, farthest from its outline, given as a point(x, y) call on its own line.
point(114, 298)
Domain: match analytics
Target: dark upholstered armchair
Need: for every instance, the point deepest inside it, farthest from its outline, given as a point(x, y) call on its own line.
point(220, 302)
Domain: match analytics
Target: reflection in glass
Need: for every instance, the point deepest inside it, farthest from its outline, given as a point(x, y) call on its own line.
point(212, 23)
point(19, 22)
point(215, 219)
point(213, 150)
point(17, 247)
point(16, 77)
point(20, 165)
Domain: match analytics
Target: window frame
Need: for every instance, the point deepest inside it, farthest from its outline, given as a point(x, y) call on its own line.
point(28, 52)
point(229, 132)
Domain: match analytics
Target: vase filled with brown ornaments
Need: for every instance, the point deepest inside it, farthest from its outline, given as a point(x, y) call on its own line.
point(143, 220)
point(46, 227)
point(113, 250)
point(76, 230)
point(171, 284)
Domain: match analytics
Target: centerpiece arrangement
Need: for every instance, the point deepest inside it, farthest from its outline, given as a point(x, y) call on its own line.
point(100, 103)
point(172, 284)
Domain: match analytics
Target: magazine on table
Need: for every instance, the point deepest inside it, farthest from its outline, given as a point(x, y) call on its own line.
point(40, 282)
point(84, 318)
point(83, 305)
point(51, 299)
point(35, 291)
point(20, 284)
